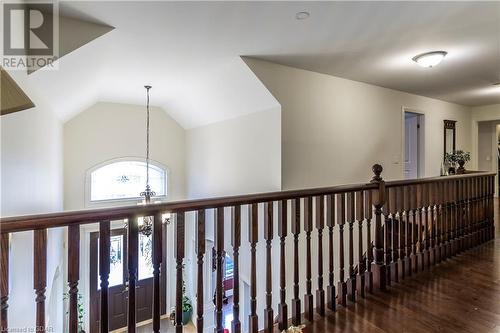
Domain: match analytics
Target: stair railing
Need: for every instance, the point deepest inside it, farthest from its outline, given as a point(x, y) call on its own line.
point(416, 224)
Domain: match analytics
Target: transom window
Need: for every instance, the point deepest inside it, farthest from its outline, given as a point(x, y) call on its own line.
point(125, 180)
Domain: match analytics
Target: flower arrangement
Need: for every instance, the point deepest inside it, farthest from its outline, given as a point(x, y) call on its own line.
point(459, 157)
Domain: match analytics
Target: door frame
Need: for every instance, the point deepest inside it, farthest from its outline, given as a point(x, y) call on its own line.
point(94, 271)
point(420, 141)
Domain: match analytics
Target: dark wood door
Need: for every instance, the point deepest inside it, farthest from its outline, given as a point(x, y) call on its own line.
point(118, 285)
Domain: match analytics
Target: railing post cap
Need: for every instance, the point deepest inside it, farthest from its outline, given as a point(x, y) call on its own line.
point(377, 170)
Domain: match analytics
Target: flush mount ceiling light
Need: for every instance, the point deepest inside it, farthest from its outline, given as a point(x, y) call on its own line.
point(430, 59)
point(302, 15)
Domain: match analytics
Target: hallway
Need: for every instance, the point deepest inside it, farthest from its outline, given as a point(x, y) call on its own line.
point(460, 295)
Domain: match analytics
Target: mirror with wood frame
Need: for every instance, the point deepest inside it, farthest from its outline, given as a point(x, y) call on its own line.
point(449, 136)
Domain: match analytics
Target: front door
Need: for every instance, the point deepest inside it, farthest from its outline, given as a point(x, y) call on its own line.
point(118, 281)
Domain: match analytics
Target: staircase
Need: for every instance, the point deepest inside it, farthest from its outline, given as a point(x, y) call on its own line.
point(380, 232)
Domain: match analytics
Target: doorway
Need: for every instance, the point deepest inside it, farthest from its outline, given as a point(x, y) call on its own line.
point(413, 145)
point(118, 280)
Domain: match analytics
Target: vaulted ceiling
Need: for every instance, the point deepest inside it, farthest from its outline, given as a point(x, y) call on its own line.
point(190, 52)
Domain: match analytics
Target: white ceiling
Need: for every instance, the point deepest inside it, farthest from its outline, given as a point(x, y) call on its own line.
point(190, 53)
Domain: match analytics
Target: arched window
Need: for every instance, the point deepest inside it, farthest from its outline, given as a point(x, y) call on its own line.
point(124, 179)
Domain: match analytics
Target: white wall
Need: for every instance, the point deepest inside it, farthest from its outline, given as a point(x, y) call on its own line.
point(334, 130)
point(31, 183)
point(236, 156)
point(106, 131)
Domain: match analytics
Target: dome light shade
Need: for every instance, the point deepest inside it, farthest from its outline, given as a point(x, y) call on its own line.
point(430, 59)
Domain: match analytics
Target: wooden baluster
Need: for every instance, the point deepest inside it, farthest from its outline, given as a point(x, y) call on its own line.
point(133, 253)
point(268, 237)
point(253, 236)
point(475, 220)
point(447, 215)
point(426, 234)
point(401, 233)
point(157, 260)
point(330, 222)
point(419, 216)
point(477, 230)
point(104, 253)
point(491, 207)
point(179, 253)
point(320, 224)
point(480, 238)
point(295, 224)
point(460, 217)
point(4, 282)
point(73, 275)
point(478, 221)
point(351, 281)
point(443, 193)
point(434, 200)
point(368, 204)
point(444, 219)
point(414, 230)
point(342, 286)
point(379, 270)
point(432, 240)
point(219, 253)
point(40, 276)
point(407, 226)
point(456, 218)
point(360, 279)
point(282, 232)
point(387, 236)
point(308, 227)
point(236, 243)
point(393, 239)
point(200, 252)
point(451, 217)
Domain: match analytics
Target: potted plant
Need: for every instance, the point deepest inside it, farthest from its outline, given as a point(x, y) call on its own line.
point(81, 311)
point(187, 308)
point(459, 157)
point(462, 157)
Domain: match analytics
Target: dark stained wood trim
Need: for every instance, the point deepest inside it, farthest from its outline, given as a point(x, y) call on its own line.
point(157, 260)
point(236, 243)
point(180, 252)
point(282, 232)
point(40, 275)
point(104, 269)
point(73, 275)
point(133, 253)
point(4, 281)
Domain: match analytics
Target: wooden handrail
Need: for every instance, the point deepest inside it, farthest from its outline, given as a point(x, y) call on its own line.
point(87, 216)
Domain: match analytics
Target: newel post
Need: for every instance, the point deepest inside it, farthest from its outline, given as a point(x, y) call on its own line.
point(378, 268)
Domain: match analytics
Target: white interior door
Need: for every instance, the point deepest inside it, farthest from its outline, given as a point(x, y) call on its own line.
point(411, 146)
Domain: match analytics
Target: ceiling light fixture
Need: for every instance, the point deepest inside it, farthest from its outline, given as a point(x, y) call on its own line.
point(302, 15)
point(430, 59)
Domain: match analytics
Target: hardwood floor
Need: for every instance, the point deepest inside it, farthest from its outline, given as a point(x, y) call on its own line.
point(460, 295)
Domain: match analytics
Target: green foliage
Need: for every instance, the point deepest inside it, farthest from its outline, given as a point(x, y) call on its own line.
point(80, 308)
point(186, 303)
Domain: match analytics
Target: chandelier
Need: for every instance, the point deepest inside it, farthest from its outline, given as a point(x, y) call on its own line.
point(146, 228)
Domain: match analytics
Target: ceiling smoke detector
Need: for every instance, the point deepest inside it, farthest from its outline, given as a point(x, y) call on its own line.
point(302, 15)
point(430, 59)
